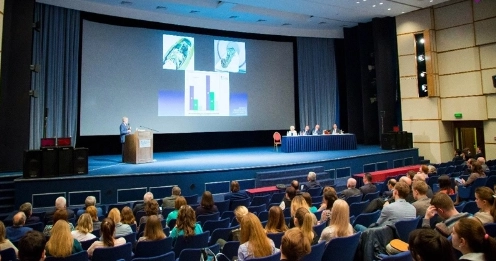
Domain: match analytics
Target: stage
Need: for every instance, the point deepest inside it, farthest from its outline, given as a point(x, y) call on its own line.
point(112, 181)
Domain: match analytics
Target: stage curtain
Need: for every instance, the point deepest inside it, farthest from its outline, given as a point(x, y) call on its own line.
point(317, 83)
point(56, 51)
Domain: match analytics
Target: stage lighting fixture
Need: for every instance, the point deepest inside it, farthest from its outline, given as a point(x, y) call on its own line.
point(424, 88)
point(421, 58)
point(423, 74)
point(421, 40)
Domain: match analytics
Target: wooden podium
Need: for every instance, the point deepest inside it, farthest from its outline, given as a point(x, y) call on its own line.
point(138, 147)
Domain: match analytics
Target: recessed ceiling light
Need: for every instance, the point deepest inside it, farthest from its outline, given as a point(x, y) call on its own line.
point(380, 3)
point(402, 12)
point(358, 2)
point(389, 9)
point(373, 6)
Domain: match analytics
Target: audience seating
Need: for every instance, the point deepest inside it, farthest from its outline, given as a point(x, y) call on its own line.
point(318, 214)
point(260, 200)
point(119, 206)
point(263, 216)
point(165, 257)
point(9, 254)
point(317, 199)
point(153, 248)
point(172, 223)
point(196, 241)
point(227, 214)
point(277, 198)
point(242, 202)
point(131, 238)
point(195, 253)
point(230, 250)
point(113, 253)
point(192, 199)
point(203, 218)
point(314, 192)
point(316, 253)
point(87, 243)
point(371, 196)
point(403, 256)
point(139, 215)
point(404, 227)
point(257, 209)
point(469, 192)
point(221, 206)
point(276, 237)
point(490, 229)
point(167, 211)
point(38, 226)
point(80, 256)
point(353, 199)
point(366, 219)
point(319, 228)
point(358, 207)
point(470, 207)
point(218, 233)
point(274, 257)
point(342, 248)
point(211, 225)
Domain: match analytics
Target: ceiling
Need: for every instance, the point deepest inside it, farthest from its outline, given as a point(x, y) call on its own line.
point(312, 18)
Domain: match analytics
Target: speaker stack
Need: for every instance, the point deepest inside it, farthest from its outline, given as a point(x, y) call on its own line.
point(54, 162)
point(396, 140)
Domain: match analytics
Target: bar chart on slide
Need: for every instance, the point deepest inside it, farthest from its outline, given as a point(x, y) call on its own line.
point(206, 93)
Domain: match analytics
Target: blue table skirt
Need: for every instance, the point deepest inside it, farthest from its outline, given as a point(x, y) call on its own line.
point(318, 143)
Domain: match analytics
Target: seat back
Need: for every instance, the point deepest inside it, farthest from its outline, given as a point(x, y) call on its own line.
point(153, 248)
point(260, 200)
point(131, 237)
point(87, 243)
point(371, 196)
point(219, 233)
point(242, 202)
point(263, 216)
point(358, 207)
point(211, 225)
point(9, 254)
point(133, 227)
point(342, 248)
point(277, 197)
point(490, 229)
point(193, 199)
point(119, 206)
point(314, 192)
point(203, 218)
point(172, 223)
point(38, 226)
point(113, 253)
point(470, 207)
point(273, 257)
point(139, 215)
point(366, 219)
point(257, 209)
point(316, 253)
point(79, 256)
point(319, 228)
point(230, 249)
point(404, 227)
point(277, 137)
point(196, 241)
point(403, 256)
point(354, 199)
point(276, 237)
point(222, 206)
point(227, 214)
point(165, 257)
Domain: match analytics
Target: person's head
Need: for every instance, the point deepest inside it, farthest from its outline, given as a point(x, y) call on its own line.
point(407, 180)
point(276, 222)
point(424, 169)
point(19, 219)
point(335, 126)
point(253, 232)
point(90, 201)
point(3, 233)
point(340, 218)
point(329, 197)
point(294, 245)
point(312, 176)
point(469, 236)
point(60, 203)
point(93, 212)
point(444, 205)
point(426, 244)
point(176, 191)
point(151, 207)
point(290, 192)
point(32, 246)
point(207, 200)
point(367, 178)
point(153, 228)
point(125, 120)
point(308, 198)
point(235, 186)
point(432, 169)
point(179, 202)
point(328, 188)
point(484, 198)
point(240, 212)
point(295, 184)
point(147, 197)
point(481, 160)
point(411, 173)
point(303, 219)
point(307, 128)
point(61, 241)
point(458, 152)
point(127, 216)
point(27, 208)
point(444, 182)
point(85, 224)
point(186, 220)
point(477, 167)
point(351, 183)
point(107, 230)
point(419, 189)
point(115, 215)
point(419, 177)
point(391, 184)
point(401, 190)
point(291, 128)
point(61, 214)
point(298, 202)
point(317, 127)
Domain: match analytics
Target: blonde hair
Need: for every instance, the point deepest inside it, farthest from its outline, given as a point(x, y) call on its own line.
point(115, 215)
point(85, 223)
point(305, 222)
point(127, 216)
point(298, 202)
point(240, 212)
point(92, 211)
point(61, 241)
point(253, 232)
point(340, 218)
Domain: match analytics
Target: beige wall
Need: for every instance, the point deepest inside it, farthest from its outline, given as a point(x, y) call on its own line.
point(465, 52)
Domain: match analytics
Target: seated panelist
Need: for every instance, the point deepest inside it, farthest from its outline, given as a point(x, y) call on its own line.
point(306, 131)
point(292, 131)
point(316, 130)
point(335, 129)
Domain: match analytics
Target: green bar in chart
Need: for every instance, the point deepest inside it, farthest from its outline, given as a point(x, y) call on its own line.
point(212, 100)
point(195, 104)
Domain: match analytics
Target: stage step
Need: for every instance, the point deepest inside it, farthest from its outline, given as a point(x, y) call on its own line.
point(424, 162)
point(7, 192)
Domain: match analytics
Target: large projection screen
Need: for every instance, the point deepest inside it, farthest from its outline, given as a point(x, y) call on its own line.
point(179, 82)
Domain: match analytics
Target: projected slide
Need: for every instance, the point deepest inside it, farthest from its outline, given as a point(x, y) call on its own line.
point(230, 56)
point(206, 93)
point(179, 53)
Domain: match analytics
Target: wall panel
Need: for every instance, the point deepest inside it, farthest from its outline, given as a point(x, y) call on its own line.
point(473, 108)
point(487, 81)
point(408, 66)
point(420, 109)
point(484, 10)
point(464, 60)
point(463, 84)
point(491, 105)
point(406, 44)
point(485, 31)
point(444, 16)
point(408, 87)
point(455, 38)
point(416, 21)
point(488, 56)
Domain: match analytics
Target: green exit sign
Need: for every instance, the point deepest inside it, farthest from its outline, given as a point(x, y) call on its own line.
point(458, 115)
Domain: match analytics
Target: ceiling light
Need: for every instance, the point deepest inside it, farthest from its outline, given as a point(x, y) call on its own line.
point(402, 12)
point(389, 9)
point(423, 74)
point(373, 6)
point(421, 58)
point(380, 3)
point(358, 2)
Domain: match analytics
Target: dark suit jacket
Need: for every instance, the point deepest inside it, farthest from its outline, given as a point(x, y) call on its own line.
point(123, 131)
point(317, 132)
point(368, 188)
point(338, 131)
point(350, 192)
point(309, 132)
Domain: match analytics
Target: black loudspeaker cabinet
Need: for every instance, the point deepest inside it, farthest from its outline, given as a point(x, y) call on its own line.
point(396, 140)
point(388, 141)
point(50, 163)
point(31, 164)
point(66, 161)
point(80, 156)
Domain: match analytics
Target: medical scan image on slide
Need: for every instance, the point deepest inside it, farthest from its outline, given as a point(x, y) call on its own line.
point(230, 56)
point(179, 53)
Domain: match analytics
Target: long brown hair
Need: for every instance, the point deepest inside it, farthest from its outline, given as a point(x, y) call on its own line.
point(276, 222)
point(207, 200)
point(340, 218)
point(294, 245)
point(61, 241)
point(179, 202)
point(487, 194)
point(107, 231)
point(330, 196)
point(153, 228)
point(186, 220)
point(127, 216)
point(253, 232)
point(473, 232)
point(151, 207)
point(305, 222)
point(3, 232)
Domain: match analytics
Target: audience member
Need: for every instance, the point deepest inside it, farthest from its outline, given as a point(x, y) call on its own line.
point(236, 192)
point(339, 225)
point(84, 228)
point(60, 214)
point(27, 208)
point(5, 243)
point(276, 222)
point(312, 181)
point(169, 202)
point(294, 245)
point(239, 213)
point(478, 152)
point(476, 173)
point(127, 216)
point(421, 177)
point(368, 186)
point(17, 230)
point(207, 205)
point(254, 242)
point(90, 201)
point(120, 228)
point(432, 171)
point(153, 229)
point(422, 202)
point(186, 223)
point(457, 155)
point(180, 201)
point(300, 202)
point(424, 170)
point(93, 214)
point(304, 220)
point(409, 198)
point(351, 189)
point(107, 231)
point(442, 205)
point(60, 203)
point(390, 185)
point(444, 182)
point(138, 207)
point(288, 197)
point(484, 198)
point(482, 162)
point(328, 200)
point(428, 245)
point(32, 246)
point(470, 238)
point(308, 199)
point(412, 173)
point(316, 130)
point(61, 243)
point(151, 208)
point(296, 185)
